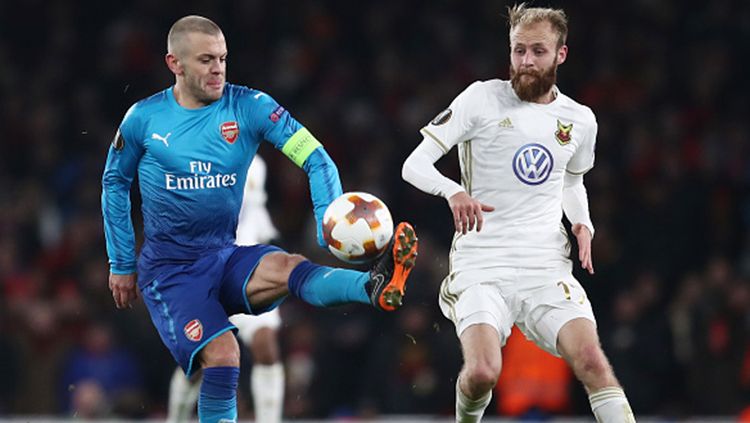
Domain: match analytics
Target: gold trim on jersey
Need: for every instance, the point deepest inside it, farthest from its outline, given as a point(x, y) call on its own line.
point(467, 165)
point(456, 236)
point(583, 172)
point(434, 138)
point(445, 294)
point(449, 299)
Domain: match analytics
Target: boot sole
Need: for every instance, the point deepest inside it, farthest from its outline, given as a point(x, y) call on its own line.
point(404, 257)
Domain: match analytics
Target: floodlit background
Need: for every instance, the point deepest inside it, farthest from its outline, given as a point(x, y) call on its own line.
point(669, 198)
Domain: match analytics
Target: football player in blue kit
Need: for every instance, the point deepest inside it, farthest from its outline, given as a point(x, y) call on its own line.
point(191, 145)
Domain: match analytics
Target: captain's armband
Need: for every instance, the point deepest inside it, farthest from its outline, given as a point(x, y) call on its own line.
point(299, 146)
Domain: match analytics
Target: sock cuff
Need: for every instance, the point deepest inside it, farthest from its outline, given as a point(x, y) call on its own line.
point(220, 382)
point(606, 394)
point(299, 275)
point(470, 403)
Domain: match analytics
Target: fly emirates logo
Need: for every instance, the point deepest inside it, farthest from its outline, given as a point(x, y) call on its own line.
point(201, 178)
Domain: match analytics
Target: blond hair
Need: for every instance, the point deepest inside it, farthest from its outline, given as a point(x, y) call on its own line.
point(521, 15)
point(188, 24)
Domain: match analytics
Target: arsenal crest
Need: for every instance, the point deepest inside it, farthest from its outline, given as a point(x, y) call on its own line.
point(563, 133)
point(193, 330)
point(230, 131)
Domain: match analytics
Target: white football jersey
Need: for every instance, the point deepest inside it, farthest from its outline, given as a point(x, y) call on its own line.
point(513, 156)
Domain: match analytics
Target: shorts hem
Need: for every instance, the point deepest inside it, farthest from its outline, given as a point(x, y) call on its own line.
point(203, 344)
point(247, 281)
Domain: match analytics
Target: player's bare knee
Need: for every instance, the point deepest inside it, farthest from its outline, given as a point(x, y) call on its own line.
point(481, 377)
point(277, 267)
point(591, 360)
point(221, 352)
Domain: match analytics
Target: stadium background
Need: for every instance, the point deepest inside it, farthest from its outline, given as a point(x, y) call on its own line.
point(669, 194)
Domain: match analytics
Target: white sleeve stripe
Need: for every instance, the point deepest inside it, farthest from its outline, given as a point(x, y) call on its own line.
point(434, 138)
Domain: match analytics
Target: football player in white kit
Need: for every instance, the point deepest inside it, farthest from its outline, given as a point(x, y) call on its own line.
point(523, 148)
point(257, 331)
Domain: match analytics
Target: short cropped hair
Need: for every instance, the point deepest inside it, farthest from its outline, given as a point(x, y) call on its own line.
point(188, 24)
point(520, 14)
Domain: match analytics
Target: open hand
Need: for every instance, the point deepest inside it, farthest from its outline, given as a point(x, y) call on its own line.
point(467, 212)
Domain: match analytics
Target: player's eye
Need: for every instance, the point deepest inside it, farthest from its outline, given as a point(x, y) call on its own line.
point(539, 51)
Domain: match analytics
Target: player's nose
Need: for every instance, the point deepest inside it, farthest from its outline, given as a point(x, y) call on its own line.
point(216, 68)
point(528, 59)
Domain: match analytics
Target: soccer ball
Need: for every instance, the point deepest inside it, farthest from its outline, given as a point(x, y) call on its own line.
point(357, 227)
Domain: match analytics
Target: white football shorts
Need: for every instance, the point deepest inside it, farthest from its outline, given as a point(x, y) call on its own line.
point(538, 301)
point(247, 324)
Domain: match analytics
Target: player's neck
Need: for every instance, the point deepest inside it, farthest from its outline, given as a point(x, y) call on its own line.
point(548, 97)
point(184, 99)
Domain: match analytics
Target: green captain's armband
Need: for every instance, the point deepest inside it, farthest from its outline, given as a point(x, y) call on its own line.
point(299, 146)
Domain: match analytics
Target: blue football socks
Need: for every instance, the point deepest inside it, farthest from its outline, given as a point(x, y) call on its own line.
point(324, 286)
point(217, 402)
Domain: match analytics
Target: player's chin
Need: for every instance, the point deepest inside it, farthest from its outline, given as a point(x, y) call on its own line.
point(214, 91)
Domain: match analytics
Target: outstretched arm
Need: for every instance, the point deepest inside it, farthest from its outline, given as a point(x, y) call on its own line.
point(576, 208)
point(325, 185)
point(419, 170)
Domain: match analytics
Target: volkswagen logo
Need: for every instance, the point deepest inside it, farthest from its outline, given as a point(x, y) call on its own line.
point(532, 164)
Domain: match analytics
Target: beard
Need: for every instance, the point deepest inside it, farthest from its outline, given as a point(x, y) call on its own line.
point(195, 86)
point(541, 82)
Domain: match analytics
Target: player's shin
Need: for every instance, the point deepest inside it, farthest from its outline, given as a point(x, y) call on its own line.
point(267, 384)
point(218, 397)
point(610, 405)
point(323, 286)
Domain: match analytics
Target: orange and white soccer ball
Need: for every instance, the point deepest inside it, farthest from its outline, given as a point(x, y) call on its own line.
point(357, 227)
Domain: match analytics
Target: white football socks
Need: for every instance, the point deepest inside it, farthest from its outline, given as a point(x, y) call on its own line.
point(183, 395)
point(610, 405)
point(267, 384)
point(469, 410)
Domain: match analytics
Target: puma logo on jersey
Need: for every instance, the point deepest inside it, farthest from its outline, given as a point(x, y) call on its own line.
point(163, 139)
point(505, 123)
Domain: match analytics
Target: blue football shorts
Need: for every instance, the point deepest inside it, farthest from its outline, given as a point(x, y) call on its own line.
point(190, 303)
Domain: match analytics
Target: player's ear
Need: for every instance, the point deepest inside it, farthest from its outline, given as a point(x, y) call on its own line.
point(562, 54)
point(173, 63)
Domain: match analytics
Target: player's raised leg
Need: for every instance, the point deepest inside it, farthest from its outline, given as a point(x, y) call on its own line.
point(579, 345)
point(278, 274)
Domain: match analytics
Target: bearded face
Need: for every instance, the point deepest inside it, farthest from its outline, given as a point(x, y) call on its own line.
point(530, 84)
point(535, 54)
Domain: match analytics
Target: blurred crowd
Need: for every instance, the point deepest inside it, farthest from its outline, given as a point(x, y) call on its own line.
point(669, 194)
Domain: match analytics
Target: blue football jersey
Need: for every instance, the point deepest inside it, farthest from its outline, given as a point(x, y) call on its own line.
point(192, 165)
